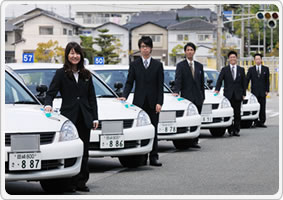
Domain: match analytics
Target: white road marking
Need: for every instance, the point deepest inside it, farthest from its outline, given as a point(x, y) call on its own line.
point(274, 115)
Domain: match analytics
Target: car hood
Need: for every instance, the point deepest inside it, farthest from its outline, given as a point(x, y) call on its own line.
point(248, 94)
point(111, 109)
point(170, 102)
point(211, 99)
point(30, 118)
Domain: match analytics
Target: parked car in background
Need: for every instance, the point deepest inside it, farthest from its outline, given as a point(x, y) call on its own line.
point(124, 130)
point(37, 147)
point(217, 113)
point(179, 120)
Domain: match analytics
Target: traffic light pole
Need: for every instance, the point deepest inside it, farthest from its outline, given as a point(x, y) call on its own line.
point(219, 37)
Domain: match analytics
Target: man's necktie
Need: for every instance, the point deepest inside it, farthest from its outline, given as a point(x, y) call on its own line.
point(192, 69)
point(258, 72)
point(233, 72)
point(145, 64)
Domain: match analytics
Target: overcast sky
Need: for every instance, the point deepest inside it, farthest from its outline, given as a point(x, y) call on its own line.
point(14, 10)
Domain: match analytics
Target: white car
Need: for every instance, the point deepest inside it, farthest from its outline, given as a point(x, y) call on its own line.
point(217, 113)
point(124, 130)
point(179, 120)
point(37, 147)
point(250, 106)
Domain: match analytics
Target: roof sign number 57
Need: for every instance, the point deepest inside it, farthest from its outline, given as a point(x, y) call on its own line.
point(28, 58)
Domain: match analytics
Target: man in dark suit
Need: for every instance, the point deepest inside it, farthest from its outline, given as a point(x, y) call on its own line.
point(259, 76)
point(189, 80)
point(234, 89)
point(147, 73)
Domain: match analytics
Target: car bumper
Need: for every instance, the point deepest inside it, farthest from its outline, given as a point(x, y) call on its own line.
point(188, 127)
point(138, 141)
point(54, 159)
point(250, 111)
point(220, 118)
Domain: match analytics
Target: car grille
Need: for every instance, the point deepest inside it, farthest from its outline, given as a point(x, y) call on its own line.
point(247, 113)
point(215, 106)
point(127, 123)
point(179, 113)
point(182, 130)
point(45, 137)
point(47, 165)
point(127, 145)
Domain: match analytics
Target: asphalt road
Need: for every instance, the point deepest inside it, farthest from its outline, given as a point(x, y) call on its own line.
point(245, 165)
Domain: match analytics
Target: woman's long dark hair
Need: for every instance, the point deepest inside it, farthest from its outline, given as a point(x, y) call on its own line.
point(68, 66)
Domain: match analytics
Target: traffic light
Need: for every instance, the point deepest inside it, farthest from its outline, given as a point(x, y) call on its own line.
point(270, 17)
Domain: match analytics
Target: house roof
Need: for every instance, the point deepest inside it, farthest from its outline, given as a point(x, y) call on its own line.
point(150, 22)
point(110, 23)
point(201, 13)
point(9, 26)
point(193, 24)
point(163, 23)
point(38, 12)
point(146, 16)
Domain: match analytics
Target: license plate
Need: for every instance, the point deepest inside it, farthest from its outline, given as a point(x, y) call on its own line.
point(111, 141)
point(24, 161)
point(167, 128)
point(206, 119)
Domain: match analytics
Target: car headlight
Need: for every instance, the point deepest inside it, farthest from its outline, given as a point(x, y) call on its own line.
point(143, 119)
point(192, 110)
point(225, 103)
point(68, 132)
point(252, 99)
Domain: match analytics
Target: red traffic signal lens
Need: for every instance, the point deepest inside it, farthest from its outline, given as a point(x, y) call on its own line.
point(275, 15)
point(267, 15)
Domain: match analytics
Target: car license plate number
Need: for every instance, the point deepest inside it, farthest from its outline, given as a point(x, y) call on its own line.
point(24, 161)
point(167, 128)
point(111, 141)
point(206, 119)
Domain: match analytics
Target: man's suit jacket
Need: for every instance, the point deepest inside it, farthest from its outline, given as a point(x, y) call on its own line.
point(190, 88)
point(259, 85)
point(75, 97)
point(148, 83)
point(231, 86)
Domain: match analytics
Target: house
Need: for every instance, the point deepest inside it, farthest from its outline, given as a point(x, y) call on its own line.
point(201, 32)
point(119, 32)
point(37, 26)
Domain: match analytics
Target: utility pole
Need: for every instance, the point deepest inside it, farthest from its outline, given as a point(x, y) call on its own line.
point(258, 42)
point(264, 35)
point(242, 34)
point(219, 37)
point(249, 31)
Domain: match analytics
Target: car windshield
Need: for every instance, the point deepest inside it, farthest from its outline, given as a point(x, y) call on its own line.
point(15, 93)
point(211, 75)
point(113, 76)
point(34, 77)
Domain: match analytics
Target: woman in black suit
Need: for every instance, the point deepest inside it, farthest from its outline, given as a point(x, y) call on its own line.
point(74, 82)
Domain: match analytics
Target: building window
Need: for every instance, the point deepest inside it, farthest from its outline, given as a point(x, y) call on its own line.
point(70, 32)
point(155, 38)
point(87, 19)
point(182, 37)
point(45, 30)
point(204, 37)
point(64, 31)
point(6, 38)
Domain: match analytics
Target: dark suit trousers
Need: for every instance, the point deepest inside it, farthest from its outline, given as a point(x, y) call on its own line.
point(154, 121)
point(262, 102)
point(236, 105)
point(84, 134)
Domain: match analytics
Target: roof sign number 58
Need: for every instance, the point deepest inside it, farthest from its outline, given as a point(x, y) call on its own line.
point(28, 58)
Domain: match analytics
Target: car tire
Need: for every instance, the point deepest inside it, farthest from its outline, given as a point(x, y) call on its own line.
point(217, 132)
point(55, 186)
point(133, 161)
point(183, 144)
point(246, 123)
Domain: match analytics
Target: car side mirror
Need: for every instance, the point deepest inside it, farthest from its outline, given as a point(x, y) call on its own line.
point(41, 89)
point(171, 84)
point(209, 82)
point(118, 86)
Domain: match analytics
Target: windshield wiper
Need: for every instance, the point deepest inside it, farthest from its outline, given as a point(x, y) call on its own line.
point(25, 102)
point(105, 96)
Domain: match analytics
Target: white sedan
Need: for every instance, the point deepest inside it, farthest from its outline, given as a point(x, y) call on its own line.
point(179, 120)
point(37, 147)
point(250, 106)
point(217, 113)
point(124, 130)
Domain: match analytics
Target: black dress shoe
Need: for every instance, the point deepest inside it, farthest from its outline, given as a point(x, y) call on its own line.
point(236, 133)
point(70, 190)
point(83, 189)
point(155, 162)
point(230, 132)
point(262, 126)
point(195, 146)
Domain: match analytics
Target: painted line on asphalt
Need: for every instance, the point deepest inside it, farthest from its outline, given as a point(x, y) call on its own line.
point(274, 115)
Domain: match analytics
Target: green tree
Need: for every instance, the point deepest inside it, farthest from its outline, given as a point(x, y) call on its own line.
point(89, 52)
point(177, 51)
point(107, 48)
point(49, 52)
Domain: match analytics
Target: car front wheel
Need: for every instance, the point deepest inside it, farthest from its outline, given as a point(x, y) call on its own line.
point(56, 186)
point(246, 123)
point(217, 132)
point(133, 161)
point(183, 144)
